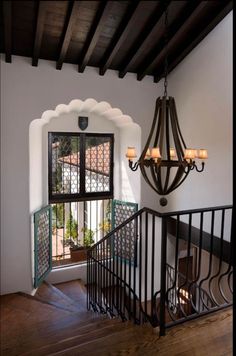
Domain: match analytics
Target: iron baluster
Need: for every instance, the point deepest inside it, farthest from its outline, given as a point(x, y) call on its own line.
point(123, 271)
point(220, 259)
point(211, 252)
point(146, 263)
point(153, 313)
point(140, 262)
point(163, 276)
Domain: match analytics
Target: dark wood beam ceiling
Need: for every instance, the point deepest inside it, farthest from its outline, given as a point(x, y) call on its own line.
point(39, 32)
point(123, 31)
point(141, 41)
point(7, 16)
point(186, 49)
point(94, 33)
point(193, 10)
point(73, 9)
point(126, 36)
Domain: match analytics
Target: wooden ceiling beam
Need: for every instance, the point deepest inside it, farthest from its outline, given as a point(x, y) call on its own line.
point(143, 38)
point(39, 32)
point(127, 24)
point(7, 21)
point(67, 33)
point(94, 33)
point(179, 28)
point(227, 7)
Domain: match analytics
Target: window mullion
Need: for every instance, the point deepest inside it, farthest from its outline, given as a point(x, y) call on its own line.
point(99, 165)
point(111, 164)
point(82, 170)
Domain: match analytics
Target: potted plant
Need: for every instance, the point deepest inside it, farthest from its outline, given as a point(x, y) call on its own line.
point(78, 251)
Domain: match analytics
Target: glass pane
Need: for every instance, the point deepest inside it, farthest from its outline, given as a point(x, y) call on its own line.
point(97, 164)
point(65, 164)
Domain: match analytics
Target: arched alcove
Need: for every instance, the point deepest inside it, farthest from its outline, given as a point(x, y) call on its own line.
point(102, 118)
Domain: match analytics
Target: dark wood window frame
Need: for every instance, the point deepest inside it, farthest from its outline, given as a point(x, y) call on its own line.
point(82, 195)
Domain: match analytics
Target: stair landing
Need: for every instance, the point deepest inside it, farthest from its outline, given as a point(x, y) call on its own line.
point(56, 322)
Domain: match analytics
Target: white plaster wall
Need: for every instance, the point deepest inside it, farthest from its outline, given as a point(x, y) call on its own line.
point(130, 182)
point(26, 92)
point(202, 88)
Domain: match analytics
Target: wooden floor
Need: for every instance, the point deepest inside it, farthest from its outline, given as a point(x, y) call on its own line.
point(56, 322)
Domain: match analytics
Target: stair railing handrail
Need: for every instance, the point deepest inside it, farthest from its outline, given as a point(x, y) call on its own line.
point(195, 211)
point(137, 216)
point(116, 229)
point(160, 215)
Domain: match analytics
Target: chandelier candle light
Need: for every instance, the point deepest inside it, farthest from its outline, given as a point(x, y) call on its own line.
point(165, 161)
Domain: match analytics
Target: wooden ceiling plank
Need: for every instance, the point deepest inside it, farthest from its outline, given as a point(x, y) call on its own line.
point(144, 37)
point(179, 29)
point(127, 24)
point(94, 33)
point(7, 20)
point(67, 33)
point(194, 42)
point(39, 32)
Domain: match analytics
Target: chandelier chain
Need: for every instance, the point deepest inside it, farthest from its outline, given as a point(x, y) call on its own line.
point(166, 59)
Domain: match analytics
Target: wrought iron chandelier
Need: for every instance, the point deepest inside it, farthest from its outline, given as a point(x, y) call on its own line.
point(165, 161)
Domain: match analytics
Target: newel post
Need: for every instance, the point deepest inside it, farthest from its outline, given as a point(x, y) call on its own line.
point(163, 275)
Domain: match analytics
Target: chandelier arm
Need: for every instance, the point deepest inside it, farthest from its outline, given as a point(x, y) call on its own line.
point(177, 178)
point(178, 127)
point(189, 168)
point(156, 181)
point(186, 174)
point(167, 146)
point(134, 166)
point(167, 178)
point(142, 169)
point(162, 124)
point(158, 126)
point(143, 154)
point(201, 169)
point(159, 178)
point(167, 130)
point(180, 152)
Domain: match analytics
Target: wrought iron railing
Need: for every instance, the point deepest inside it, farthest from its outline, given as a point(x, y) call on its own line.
point(180, 300)
point(129, 277)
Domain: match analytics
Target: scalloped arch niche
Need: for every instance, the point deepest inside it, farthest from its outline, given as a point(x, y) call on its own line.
point(102, 119)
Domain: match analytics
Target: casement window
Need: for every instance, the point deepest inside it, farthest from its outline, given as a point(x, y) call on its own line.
point(80, 166)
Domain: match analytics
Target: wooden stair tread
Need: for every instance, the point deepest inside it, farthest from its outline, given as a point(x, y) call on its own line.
point(75, 290)
point(129, 334)
point(34, 323)
point(54, 296)
point(182, 340)
point(88, 332)
point(27, 304)
point(30, 327)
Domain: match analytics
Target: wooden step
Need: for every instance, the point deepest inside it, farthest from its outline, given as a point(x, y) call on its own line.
point(34, 324)
point(50, 294)
point(30, 327)
point(75, 290)
point(117, 342)
point(92, 331)
point(210, 335)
